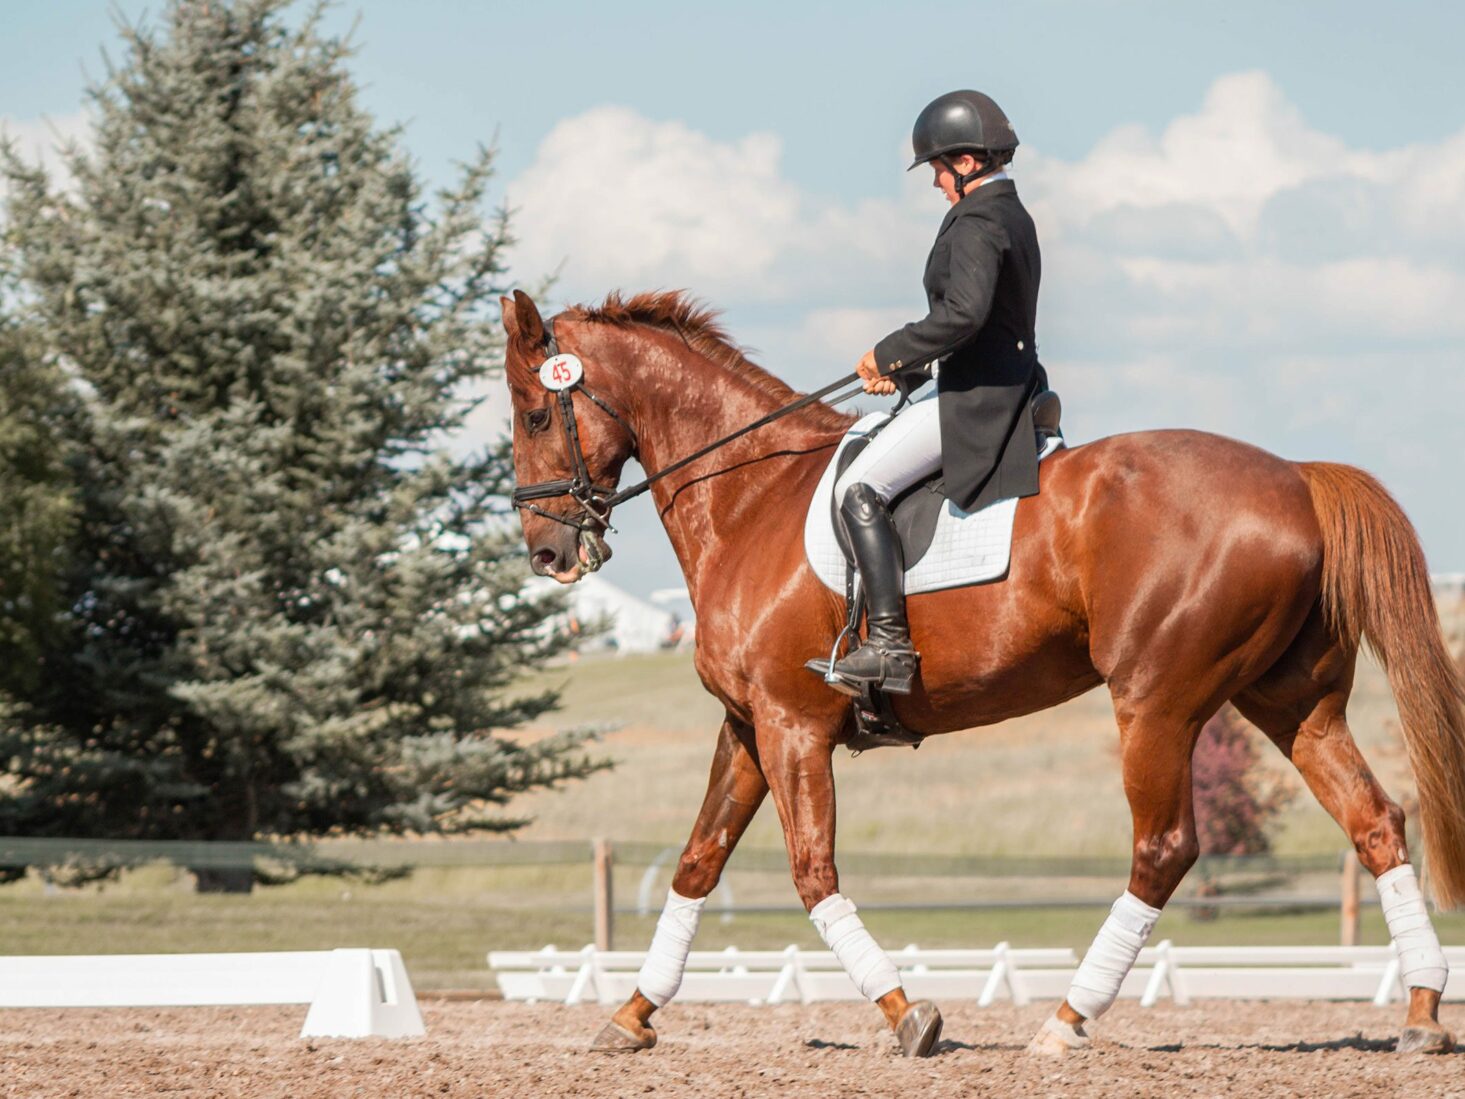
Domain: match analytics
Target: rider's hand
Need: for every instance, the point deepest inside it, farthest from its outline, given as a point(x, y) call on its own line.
point(875, 382)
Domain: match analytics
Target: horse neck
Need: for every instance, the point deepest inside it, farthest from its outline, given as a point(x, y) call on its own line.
point(679, 401)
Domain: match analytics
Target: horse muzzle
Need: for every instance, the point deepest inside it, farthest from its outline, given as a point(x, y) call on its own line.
point(568, 559)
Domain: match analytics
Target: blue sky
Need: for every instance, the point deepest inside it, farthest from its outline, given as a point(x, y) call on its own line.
point(828, 76)
point(1253, 215)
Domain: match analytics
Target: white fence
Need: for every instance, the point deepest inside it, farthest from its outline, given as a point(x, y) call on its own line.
point(351, 993)
point(782, 976)
point(1275, 973)
point(1180, 973)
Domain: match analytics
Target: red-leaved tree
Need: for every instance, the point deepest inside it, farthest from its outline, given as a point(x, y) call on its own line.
point(1235, 804)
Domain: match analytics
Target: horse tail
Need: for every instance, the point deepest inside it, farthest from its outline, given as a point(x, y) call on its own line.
point(1375, 585)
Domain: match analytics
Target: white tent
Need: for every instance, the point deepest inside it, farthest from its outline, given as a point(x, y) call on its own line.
point(634, 625)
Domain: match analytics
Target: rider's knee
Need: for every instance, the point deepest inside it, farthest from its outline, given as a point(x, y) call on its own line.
point(860, 502)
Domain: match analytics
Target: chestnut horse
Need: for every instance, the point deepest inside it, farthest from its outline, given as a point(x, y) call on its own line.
point(1179, 568)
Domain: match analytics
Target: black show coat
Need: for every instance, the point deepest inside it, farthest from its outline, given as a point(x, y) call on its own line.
point(981, 285)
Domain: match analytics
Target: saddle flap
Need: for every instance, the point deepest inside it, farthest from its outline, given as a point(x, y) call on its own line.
point(916, 513)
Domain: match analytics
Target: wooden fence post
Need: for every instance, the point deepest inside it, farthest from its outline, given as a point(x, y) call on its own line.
point(1348, 901)
point(604, 895)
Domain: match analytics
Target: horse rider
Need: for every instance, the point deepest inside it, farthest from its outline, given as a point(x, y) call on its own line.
point(978, 340)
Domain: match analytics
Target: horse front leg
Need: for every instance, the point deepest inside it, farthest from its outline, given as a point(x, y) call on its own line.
point(735, 789)
point(800, 773)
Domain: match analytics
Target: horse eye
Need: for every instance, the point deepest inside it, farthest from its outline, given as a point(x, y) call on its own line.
point(538, 419)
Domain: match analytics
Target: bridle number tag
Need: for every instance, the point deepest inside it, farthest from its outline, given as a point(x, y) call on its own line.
point(560, 372)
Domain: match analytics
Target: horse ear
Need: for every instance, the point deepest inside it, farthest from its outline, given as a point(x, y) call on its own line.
point(510, 319)
point(531, 324)
point(521, 343)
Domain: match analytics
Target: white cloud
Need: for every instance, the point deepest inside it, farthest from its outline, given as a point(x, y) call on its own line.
point(834, 327)
point(626, 202)
point(1244, 145)
point(1322, 245)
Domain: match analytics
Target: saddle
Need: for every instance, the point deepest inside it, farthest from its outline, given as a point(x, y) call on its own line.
point(970, 548)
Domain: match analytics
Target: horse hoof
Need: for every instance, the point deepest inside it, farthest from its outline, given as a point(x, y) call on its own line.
point(1418, 1039)
point(1058, 1039)
point(919, 1029)
point(614, 1038)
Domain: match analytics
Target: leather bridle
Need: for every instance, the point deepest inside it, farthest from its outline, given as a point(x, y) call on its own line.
point(595, 500)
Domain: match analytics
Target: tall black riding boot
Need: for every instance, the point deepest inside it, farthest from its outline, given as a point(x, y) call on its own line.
point(886, 659)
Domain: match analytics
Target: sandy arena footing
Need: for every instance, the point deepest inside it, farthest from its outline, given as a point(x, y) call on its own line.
point(491, 1048)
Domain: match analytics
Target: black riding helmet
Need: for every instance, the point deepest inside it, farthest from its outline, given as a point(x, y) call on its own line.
point(964, 121)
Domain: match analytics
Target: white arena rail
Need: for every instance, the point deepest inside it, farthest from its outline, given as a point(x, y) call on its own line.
point(1184, 973)
point(1277, 973)
point(782, 976)
point(351, 993)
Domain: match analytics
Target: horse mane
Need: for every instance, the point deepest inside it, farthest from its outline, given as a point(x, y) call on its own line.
point(698, 326)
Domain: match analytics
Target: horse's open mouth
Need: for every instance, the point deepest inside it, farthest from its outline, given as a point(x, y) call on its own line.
point(594, 551)
point(591, 552)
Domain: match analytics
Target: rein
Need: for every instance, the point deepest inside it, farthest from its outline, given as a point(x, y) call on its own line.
point(596, 501)
point(777, 414)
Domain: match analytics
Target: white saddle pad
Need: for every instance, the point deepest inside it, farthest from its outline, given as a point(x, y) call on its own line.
point(969, 547)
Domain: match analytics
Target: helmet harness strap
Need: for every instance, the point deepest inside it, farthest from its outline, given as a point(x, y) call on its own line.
point(986, 165)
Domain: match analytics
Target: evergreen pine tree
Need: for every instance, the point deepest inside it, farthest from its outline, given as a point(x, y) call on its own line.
point(37, 504)
point(301, 613)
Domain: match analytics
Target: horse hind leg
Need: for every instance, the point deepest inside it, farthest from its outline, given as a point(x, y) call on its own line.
point(735, 790)
point(1306, 719)
point(1155, 751)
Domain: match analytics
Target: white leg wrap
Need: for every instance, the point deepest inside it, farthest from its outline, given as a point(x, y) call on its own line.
point(666, 961)
point(1111, 957)
point(1421, 961)
point(840, 927)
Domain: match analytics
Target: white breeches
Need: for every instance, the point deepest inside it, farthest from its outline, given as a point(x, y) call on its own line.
point(907, 450)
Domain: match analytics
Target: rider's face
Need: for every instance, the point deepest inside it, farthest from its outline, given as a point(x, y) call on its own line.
point(945, 182)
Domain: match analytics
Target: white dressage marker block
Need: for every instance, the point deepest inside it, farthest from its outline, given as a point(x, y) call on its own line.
point(364, 994)
point(351, 993)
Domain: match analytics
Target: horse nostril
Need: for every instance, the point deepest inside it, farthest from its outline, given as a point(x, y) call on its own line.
point(545, 557)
